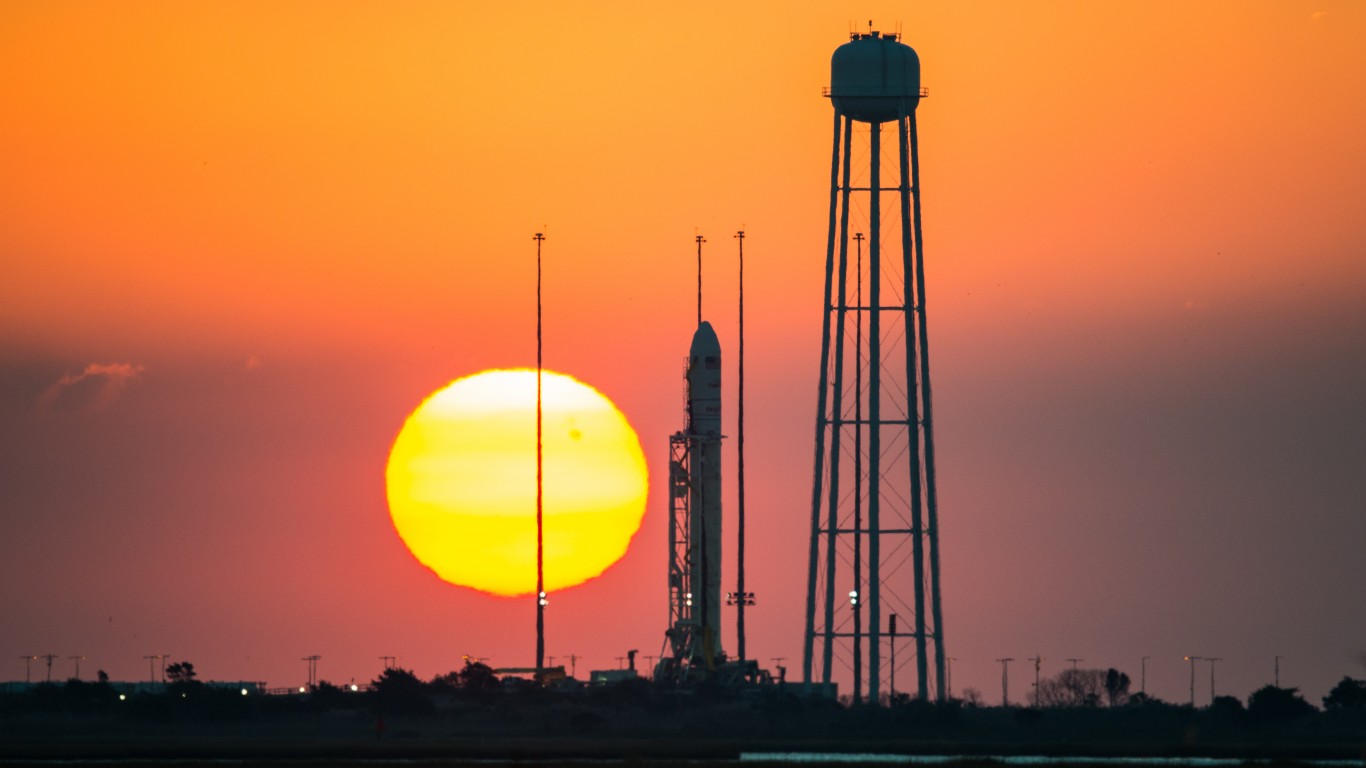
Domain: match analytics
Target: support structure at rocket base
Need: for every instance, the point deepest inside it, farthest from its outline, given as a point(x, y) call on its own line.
point(693, 639)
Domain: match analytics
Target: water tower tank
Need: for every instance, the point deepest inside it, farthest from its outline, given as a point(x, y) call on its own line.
point(874, 78)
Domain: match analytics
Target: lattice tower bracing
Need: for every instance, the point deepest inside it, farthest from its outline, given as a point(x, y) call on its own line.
point(681, 639)
point(874, 520)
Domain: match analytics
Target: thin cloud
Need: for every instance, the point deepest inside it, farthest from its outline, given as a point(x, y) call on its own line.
point(1316, 15)
point(95, 388)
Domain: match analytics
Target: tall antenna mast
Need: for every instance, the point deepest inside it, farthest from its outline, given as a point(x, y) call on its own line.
point(540, 488)
point(858, 468)
point(742, 598)
point(700, 241)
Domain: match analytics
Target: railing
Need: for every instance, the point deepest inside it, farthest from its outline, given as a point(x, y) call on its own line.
point(924, 92)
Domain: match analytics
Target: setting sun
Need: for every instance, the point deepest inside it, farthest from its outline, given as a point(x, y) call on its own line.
point(461, 482)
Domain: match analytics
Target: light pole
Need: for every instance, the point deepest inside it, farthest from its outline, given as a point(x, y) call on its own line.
point(540, 488)
point(1005, 681)
point(388, 661)
point(1278, 671)
point(742, 598)
point(1074, 663)
point(77, 659)
point(1212, 660)
point(312, 669)
point(1143, 684)
point(28, 668)
point(948, 677)
point(1192, 660)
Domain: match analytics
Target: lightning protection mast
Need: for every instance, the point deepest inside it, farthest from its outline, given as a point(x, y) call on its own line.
point(874, 518)
point(539, 237)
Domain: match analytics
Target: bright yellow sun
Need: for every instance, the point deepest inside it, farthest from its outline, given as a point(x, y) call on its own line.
point(462, 482)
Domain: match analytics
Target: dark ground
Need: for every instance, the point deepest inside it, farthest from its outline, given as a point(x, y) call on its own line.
point(636, 723)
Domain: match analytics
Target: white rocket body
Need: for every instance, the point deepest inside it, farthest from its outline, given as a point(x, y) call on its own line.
point(704, 430)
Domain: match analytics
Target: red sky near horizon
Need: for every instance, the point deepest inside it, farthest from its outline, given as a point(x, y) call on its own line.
point(242, 241)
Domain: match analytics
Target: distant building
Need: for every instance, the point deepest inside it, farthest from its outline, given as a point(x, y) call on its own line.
point(609, 676)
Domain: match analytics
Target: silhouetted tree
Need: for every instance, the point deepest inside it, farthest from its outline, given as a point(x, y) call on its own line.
point(1116, 687)
point(448, 682)
point(1227, 704)
point(1271, 704)
point(399, 690)
point(180, 672)
point(1347, 694)
point(398, 680)
point(1071, 688)
point(325, 695)
point(102, 676)
point(477, 676)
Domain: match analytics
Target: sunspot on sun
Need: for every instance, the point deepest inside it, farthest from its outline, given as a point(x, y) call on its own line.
point(461, 482)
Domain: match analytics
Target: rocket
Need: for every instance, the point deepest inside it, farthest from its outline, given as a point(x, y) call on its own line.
point(704, 434)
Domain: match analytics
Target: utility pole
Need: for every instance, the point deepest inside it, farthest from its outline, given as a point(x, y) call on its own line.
point(573, 665)
point(388, 661)
point(77, 659)
point(1074, 663)
point(1278, 671)
point(1143, 676)
point(948, 677)
point(1038, 664)
point(28, 668)
point(1192, 660)
point(1212, 660)
point(49, 657)
point(1005, 681)
point(312, 669)
point(151, 673)
point(540, 484)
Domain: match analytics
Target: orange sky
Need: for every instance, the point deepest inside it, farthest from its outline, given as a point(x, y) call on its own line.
point(1147, 299)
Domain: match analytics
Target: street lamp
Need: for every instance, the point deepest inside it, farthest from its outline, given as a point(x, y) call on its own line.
point(1192, 660)
point(28, 668)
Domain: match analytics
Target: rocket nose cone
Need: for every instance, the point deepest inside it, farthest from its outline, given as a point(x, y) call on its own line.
point(704, 342)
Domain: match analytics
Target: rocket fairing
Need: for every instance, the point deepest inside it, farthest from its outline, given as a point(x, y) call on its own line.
point(704, 432)
point(704, 383)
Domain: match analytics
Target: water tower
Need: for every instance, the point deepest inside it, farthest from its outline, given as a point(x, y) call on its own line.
point(874, 557)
